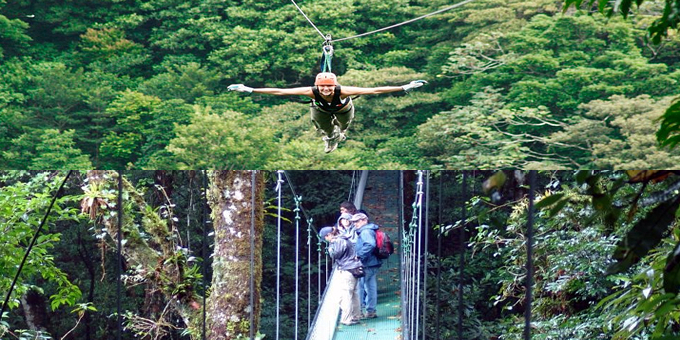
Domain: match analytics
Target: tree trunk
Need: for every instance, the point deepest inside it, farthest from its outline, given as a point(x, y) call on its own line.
point(157, 260)
point(229, 307)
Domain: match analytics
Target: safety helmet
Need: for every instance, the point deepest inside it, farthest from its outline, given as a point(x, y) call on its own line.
point(326, 78)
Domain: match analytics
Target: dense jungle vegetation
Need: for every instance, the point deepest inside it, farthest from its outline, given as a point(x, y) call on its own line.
point(605, 254)
point(142, 84)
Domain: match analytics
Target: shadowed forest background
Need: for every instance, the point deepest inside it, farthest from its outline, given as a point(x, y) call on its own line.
point(605, 254)
point(142, 85)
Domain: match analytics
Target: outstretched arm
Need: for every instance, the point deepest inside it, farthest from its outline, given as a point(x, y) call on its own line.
point(299, 91)
point(353, 91)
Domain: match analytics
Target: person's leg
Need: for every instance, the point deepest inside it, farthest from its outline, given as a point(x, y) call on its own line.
point(322, 121)
point(348, 282)
point(356, 305)
point(371, 287)
point(345, 119)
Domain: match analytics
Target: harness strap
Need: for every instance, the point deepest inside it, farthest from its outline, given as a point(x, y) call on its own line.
point(334, 106)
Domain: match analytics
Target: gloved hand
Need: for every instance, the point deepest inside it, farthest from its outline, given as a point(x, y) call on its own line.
point(239, 88)
point(413, 85)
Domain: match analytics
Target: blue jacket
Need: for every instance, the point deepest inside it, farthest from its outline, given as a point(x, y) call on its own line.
point(366, 244)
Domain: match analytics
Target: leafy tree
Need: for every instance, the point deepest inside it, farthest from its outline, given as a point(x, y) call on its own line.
point(135, 116)
point(226, 140)
point(186, 82)
point(45, 149)
point(13, 35)
point(56, 151)
point(619, 133)
point(22, 205)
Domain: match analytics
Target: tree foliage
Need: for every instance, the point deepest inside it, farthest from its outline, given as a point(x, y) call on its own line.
point(69, 67)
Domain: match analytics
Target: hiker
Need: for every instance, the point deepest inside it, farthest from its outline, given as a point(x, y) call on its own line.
point(346, 262)
point(365, 246)
point(350, 208)
point(346, 228)
point(332, 109)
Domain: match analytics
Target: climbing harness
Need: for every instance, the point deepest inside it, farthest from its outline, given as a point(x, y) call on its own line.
point(327, 55)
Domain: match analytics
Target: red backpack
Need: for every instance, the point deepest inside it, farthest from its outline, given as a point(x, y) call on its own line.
point(384, 247)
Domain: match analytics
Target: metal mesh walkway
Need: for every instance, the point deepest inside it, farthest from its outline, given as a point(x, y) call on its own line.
point(381, 201)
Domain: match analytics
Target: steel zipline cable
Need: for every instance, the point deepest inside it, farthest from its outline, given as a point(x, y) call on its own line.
point(327, 37)
point(406, 22)
point(306, 17)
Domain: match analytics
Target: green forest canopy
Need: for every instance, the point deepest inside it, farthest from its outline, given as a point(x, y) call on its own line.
point(512, 83)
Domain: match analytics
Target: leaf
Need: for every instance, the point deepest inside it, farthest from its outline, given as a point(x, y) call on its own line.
point(556, 209)
point(496, 181)
point(548, 201)
point(582, 176)
point(671, 273)
point(644, 236)
point(669, 132)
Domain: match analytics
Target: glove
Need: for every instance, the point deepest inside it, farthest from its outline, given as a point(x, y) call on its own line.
point(413, 85)
point(239, 88)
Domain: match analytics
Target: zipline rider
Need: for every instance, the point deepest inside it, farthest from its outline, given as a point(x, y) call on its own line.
point(331, 108)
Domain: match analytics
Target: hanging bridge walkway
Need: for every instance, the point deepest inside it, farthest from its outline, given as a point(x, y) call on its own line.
point(382, 204)
point(381, 200)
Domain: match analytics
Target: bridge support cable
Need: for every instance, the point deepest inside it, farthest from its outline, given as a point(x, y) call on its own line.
point(204, 219)
point(425, 251)
point(278, 252)
point(402, 257)
point(298, 200)
point(253, 180)
point(461, 265)
point(309, 271)
point(411, 264)
point(119, 257)
point(530, 245)
point(439, 257)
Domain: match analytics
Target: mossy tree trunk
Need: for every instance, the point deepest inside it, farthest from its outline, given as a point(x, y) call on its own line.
point(231, 201)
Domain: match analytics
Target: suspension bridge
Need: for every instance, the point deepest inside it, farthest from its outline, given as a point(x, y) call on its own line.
point(402, 279)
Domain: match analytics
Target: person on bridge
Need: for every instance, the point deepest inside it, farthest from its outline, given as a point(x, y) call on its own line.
point(345, 259)
point(331, 108)
point(346, 228)
point(365, 246)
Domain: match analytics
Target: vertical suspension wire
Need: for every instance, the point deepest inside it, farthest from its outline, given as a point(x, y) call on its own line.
point(416, 263)
point(278, 252)
point(351, 186)
point(439, 257)
point(298, 200)
point(309, 273)
point(253, 181)
point(419, 252)
point(119, 258)
point(530, 264)
point(401, 250)
point(318, 270)
point(204, 222)
point(461, 264)
point(426, 253)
